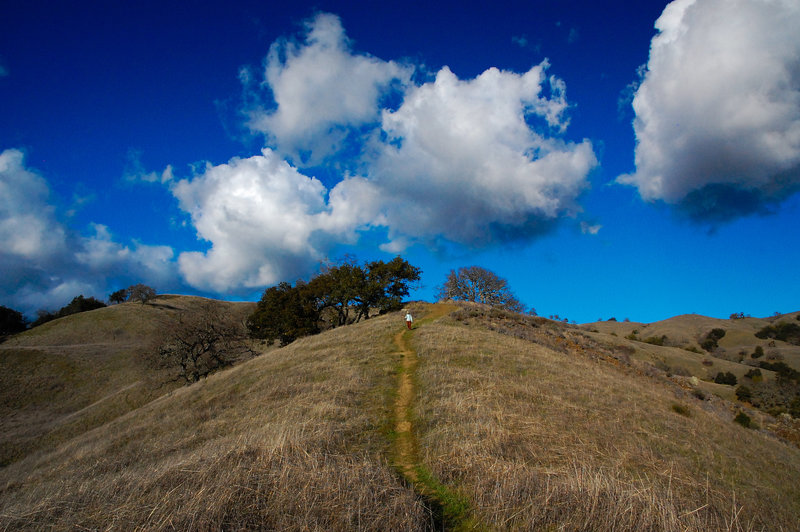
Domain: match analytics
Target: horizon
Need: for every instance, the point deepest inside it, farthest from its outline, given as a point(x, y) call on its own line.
point(636, 162)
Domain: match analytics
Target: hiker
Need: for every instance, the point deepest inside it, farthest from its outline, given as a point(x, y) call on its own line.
point(409, 319)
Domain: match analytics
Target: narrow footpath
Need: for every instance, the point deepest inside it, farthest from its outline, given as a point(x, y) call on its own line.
point(451, 511)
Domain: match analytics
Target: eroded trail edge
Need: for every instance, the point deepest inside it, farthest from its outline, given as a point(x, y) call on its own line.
point(450, 509)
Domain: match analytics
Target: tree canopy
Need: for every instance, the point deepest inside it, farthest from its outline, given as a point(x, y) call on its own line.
point(479, 285)
point(11, 321)
point(345, 292)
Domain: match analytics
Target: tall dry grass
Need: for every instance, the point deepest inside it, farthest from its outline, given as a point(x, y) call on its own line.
point(292, 440)
point(539, 436)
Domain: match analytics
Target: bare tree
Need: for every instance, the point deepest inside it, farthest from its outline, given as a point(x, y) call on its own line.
point(473, 283)
point(141, 292)
point(203, 341)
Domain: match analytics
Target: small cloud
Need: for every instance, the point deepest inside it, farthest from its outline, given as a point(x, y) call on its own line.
point(588, 229)
point(573, 36)
point(520, 40)
point(136, 173)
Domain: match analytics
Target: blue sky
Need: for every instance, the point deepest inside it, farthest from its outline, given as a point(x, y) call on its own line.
point(607, 158)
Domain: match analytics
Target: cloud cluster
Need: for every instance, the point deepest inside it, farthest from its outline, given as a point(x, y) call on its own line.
point(718, 111)
point(44, 264)
point(474, 162)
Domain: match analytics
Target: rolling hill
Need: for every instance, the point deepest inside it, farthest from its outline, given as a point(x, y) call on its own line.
point(476, 419)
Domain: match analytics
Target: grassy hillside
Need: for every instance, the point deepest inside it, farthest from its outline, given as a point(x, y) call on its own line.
point(78, 372)
point(516, 422)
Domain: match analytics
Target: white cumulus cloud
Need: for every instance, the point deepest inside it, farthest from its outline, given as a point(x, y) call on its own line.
point(463, 159)
point(265, 221)
point(718, 111)
point(321, 91)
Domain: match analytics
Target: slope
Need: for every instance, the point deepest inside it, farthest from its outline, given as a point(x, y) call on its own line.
point(78, 372)
point(531, 423)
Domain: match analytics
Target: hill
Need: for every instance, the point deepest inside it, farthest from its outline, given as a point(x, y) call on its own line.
point(79, 372)
point(476, 418)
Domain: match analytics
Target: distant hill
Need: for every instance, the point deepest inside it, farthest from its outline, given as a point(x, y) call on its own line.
point(69, 375)
point(514, 422)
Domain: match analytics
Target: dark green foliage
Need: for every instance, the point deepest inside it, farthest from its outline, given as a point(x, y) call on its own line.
point(120, 296)
point(656, 340)
point(784, 372)
point(347, 290)
point(758, 353)
point(725, 378)
point(754, 375)
point(11, 321)
point(711, 339)
point(285, 313)
point(794, 408)
point(785, 331)
point(743, 393)
point(78, 304)
point(742, 419)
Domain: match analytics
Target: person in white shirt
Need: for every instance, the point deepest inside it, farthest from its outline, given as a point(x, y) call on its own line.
point(409, 320)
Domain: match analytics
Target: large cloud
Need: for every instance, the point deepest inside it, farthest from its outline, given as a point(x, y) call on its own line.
point(718, 111)
point(45, 264)
point(265, 221)
point(478, 161)
point(323, 93)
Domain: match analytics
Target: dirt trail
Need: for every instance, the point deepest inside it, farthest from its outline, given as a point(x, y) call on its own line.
point(406, 447)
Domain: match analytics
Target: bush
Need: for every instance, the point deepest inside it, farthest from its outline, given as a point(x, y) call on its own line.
point(743, 393)
point(758, 353)
point(786, 332)
point(784, 372)
point(656, 340)
point(725, 378)
point(681, 409)
point(754, 375)
point(794, 408)
point(710, 342)
point(742, 419)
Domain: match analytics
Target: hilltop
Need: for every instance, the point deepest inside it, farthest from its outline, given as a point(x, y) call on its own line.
point(476, 418)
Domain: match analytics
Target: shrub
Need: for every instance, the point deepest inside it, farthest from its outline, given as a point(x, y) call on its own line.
point(725, 378)
point(656, 340)
point(742, 419)
point(786, 332)
point(754, 375)
point(794, 408)
point(743, 393)
point(681, 409)
point(710, 342)
point(758, 353)
point(784, 372)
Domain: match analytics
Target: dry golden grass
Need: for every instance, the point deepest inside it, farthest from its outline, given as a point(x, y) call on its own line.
point(540, 436)
point(294, 439)
point(69, 375)
point(531, 425)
